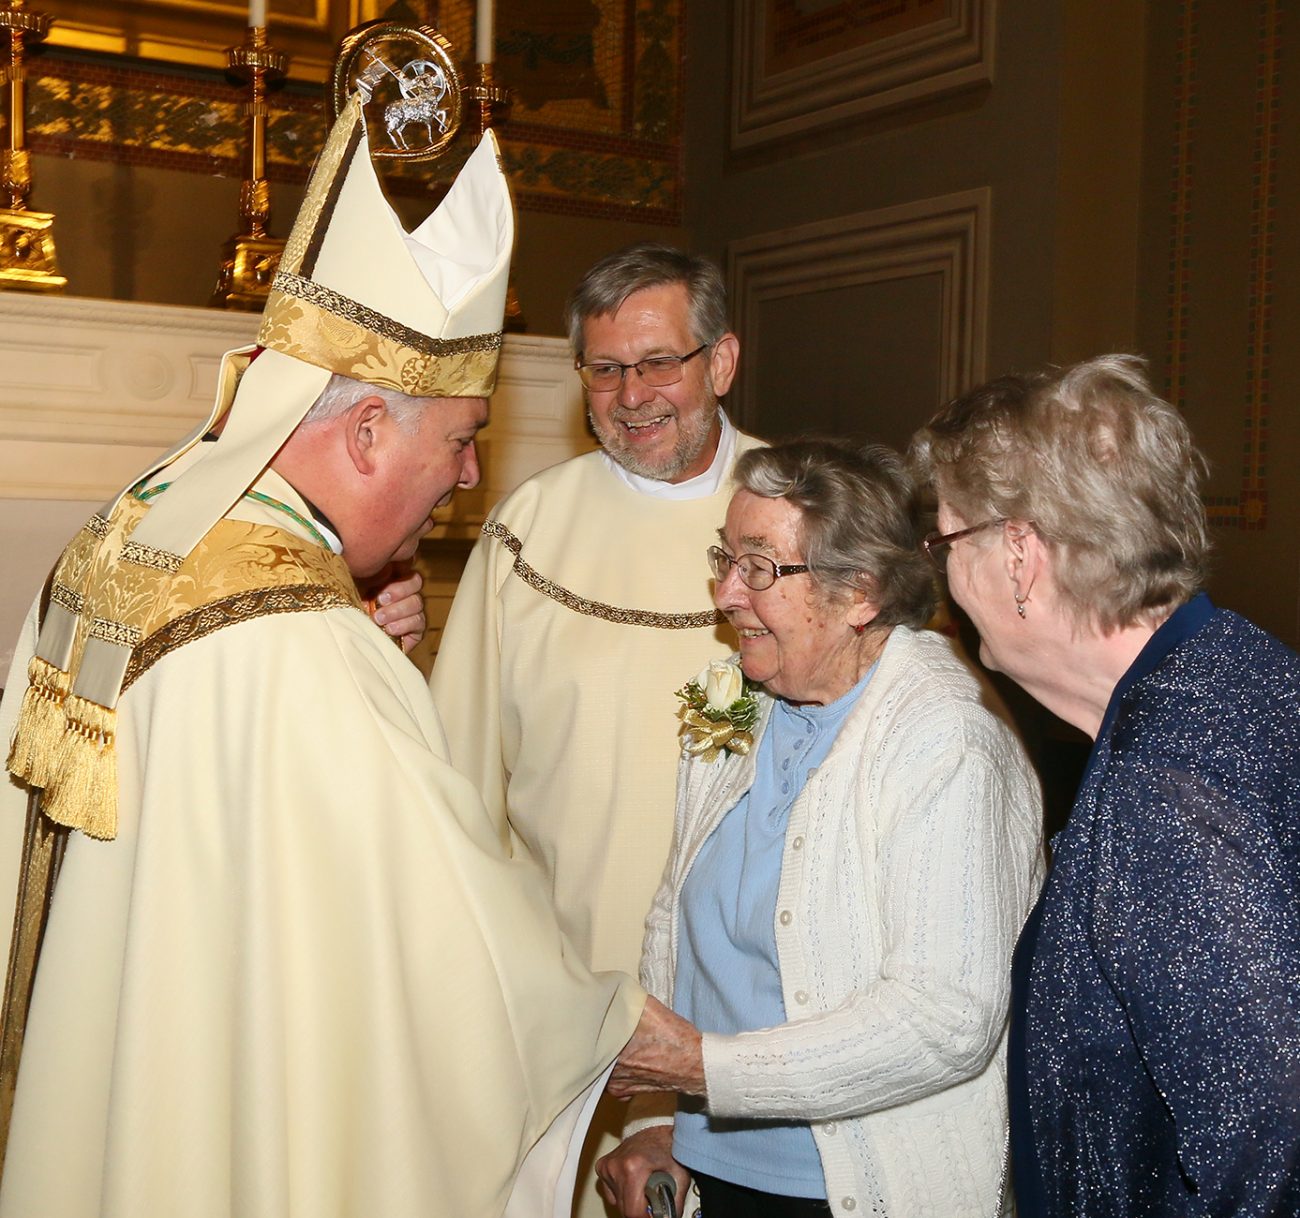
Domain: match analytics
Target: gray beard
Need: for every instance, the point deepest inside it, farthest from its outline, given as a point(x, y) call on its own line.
point(692, 440)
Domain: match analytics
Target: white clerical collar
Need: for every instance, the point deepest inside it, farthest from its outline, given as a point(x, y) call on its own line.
point(700, 487)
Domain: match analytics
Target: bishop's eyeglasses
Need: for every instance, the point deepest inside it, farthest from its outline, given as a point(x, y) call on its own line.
point(756, 571)
point(655, 370)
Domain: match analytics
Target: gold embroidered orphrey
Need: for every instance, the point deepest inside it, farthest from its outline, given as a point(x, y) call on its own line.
point(144, 609)
point(580, 604)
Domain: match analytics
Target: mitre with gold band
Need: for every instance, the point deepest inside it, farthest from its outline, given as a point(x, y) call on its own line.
point(356, 294)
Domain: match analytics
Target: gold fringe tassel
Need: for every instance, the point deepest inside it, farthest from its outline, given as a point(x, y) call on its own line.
point(35, 747)
point(83, 792)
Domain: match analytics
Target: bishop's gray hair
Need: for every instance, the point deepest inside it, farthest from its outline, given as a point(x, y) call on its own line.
point(341, 393)
point(649, 264)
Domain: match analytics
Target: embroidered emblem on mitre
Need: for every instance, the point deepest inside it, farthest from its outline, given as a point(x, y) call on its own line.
point(356, 294)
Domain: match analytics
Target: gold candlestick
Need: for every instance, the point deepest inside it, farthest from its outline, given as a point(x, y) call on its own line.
point(492, 105)
point(27, 258)
point(491, 100)
point(251, 257)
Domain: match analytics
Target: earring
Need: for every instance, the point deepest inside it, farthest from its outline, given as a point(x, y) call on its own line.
point(860, 628)
point(1020, 605)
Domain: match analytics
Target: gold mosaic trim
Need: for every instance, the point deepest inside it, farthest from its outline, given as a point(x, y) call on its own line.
point(61, 594)
point(114, 632)
point(580, 604)
point(152, 557)
point(97, 525)
point(229, 611)
point(349, 310)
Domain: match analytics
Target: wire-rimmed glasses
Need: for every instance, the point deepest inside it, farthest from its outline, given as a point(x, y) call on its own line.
point(937, 545)
point(655, 370)
point(757, 571)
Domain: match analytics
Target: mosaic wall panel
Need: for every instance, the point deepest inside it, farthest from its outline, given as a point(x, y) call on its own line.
point(595, 129)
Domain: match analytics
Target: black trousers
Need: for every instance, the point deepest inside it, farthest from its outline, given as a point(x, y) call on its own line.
point(718, 1199)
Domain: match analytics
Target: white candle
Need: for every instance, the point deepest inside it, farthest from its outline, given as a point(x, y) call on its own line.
point(483, 32)
point(256, 12)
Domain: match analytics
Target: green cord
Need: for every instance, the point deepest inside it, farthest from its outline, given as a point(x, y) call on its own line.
point(317, 535)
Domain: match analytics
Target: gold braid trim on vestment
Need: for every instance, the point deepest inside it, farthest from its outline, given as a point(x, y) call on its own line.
point(114, 632)
point(150, 556)
point(580, 604)
point(70, 600)
point(229, 611)
point(318, 326)
point(347, 309)
point(134, 613)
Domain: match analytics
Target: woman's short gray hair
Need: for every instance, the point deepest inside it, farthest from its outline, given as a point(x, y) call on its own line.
point(858, 521)
point(649, 264)
point(1105, 470)
point(341, 393)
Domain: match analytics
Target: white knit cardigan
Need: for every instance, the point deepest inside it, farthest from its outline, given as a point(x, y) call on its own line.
point(911, 859)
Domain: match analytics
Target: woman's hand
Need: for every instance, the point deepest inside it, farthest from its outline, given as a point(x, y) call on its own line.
point(623, 1173)
point(397, 605)
point(664, 1054)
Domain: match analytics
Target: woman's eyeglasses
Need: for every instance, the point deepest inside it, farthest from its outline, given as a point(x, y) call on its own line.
point(937, 545)
point(756, 571)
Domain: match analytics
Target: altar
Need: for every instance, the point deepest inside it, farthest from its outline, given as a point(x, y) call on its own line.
point(92, 390)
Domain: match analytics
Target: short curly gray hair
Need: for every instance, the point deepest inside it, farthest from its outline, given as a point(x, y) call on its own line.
point(649, 264)
point(858, 521)
point(1104, 468)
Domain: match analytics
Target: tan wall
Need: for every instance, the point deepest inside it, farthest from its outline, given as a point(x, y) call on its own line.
point(874, 357)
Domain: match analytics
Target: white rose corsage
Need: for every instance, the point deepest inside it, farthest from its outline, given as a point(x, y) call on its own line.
point(719, 710)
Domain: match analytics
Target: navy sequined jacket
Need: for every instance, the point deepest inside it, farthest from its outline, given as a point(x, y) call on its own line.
point(1154, 1061)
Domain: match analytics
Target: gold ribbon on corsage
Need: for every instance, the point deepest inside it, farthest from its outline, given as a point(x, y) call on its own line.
point(705, 738)
point(719, 711)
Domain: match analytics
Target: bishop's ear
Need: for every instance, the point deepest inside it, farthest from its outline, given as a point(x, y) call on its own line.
point(365, 426)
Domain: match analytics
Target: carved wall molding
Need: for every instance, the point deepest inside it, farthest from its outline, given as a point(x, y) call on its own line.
point(947, 236)
point(841, 78)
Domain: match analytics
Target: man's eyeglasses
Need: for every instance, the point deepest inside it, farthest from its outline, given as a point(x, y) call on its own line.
point(937, 544)
point(756, 571)
point(656, 371)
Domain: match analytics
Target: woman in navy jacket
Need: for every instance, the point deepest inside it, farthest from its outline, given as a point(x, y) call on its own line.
point(1154, 1062)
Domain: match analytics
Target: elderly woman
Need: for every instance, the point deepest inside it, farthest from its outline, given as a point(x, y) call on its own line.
point(1155, 1046)
point(838, 912)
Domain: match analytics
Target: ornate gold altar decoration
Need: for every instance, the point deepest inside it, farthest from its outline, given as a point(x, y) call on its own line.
point(27, 259)
point(252, 255)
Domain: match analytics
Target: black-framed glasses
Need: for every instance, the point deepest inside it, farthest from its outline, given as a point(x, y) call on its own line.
point(937, 545)
point(655, 370)
point(756, 571)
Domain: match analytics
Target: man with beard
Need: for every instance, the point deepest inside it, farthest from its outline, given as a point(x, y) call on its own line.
point(586, 603)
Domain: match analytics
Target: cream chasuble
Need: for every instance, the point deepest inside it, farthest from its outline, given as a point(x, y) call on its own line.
point(303, 979)
point(555, 681)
